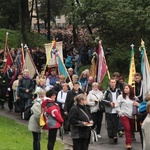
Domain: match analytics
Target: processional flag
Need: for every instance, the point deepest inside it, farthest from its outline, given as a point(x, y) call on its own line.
point(93, 68)
point(102, 66)
point(8, 62)
point(29, 64)
point(145, 69)
point(61, 67)
point(132, 69)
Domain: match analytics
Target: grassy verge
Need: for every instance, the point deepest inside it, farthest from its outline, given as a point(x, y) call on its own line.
point(14, 136)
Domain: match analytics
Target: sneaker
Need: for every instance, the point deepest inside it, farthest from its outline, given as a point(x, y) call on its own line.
point(129, 147)
point(111, 141)
point(115, 140)
point(99, 136)
point(121, 133)
point(22, 115)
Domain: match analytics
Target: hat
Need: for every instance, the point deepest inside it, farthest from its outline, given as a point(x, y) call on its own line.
point(50, 93)
point(53, 69)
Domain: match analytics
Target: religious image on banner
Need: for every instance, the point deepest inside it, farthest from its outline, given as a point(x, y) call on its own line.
point(52, 49)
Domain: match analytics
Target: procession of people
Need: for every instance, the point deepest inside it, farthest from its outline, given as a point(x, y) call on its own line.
point(74, 102)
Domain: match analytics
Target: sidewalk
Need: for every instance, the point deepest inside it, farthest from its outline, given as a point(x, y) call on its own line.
point(102, 144)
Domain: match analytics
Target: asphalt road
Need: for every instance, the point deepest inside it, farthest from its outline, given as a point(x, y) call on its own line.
point(102, 144)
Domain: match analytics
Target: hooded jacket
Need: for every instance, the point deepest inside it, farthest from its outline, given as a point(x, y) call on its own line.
point(52, 114)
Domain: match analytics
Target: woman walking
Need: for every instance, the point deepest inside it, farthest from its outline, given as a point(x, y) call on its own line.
point(126, 102)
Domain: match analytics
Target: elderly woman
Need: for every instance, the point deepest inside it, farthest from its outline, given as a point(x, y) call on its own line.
point(80, 122)
point(25, 92)
point(93, 99)
point(74, 79)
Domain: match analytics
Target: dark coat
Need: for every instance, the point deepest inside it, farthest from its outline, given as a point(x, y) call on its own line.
point(76, 117)
point(70, 99)
point(25, 83)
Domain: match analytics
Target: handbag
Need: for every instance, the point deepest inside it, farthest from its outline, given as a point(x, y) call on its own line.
point(101, 107)
point(101, 104)
point(42, 120)
point(93, 137)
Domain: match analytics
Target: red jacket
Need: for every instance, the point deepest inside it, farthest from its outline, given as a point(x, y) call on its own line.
point(52, 114)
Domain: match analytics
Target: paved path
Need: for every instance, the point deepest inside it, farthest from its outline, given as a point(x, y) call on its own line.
point(102, 144)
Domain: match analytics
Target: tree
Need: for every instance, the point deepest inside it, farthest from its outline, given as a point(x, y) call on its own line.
point(24, 20)
point(118, 23)
point(9, 14)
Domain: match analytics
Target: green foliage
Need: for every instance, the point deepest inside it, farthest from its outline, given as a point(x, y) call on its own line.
point(14, 40)
point(10, 11)
point(18, 136)
point(118, 23)
point(56, 7)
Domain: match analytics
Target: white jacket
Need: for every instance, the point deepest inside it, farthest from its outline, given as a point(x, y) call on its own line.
point(93, 99)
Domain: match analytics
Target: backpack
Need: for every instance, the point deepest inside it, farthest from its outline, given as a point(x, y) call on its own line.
point(46, 121)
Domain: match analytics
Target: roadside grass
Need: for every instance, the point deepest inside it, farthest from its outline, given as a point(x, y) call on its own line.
point(15, 136)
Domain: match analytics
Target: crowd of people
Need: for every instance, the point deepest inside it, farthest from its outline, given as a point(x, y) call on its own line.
point(74, 103)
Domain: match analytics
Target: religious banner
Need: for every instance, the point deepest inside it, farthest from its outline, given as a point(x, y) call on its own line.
point(52, 50)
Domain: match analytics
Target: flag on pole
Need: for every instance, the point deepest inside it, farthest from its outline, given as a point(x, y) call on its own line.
point(94, 65)
point(8, 62)
point(61, 67)
point(132, 69)
point(29, 64)
point(102, 66)
point(145, 70)
point(49, 54)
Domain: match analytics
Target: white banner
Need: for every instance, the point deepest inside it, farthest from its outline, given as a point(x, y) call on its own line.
point(53, 59)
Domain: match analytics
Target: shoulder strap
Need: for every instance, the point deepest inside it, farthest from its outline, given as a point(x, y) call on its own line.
point(85, 114)
point(94, 95)
point(61, 94)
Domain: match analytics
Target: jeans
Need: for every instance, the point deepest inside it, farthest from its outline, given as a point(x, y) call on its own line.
point(128, 128)
point(36, 140)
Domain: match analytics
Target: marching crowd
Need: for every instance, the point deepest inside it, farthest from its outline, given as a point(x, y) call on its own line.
point(78, 104)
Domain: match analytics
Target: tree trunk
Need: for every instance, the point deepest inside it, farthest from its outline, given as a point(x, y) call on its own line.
point(48, 21)
point(24, 20)
point(37, 16)
point(31, 12)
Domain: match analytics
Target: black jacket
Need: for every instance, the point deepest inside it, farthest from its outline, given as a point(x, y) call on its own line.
point(70, 99)
point(23, 85)
point(76, 117)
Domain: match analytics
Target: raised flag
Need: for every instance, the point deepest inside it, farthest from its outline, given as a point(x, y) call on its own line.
point(29, 64)
point(94, 65)
point(102, 66)
point(145, 71)
point(61, 67)
point(132, 69)
point(8, 62)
